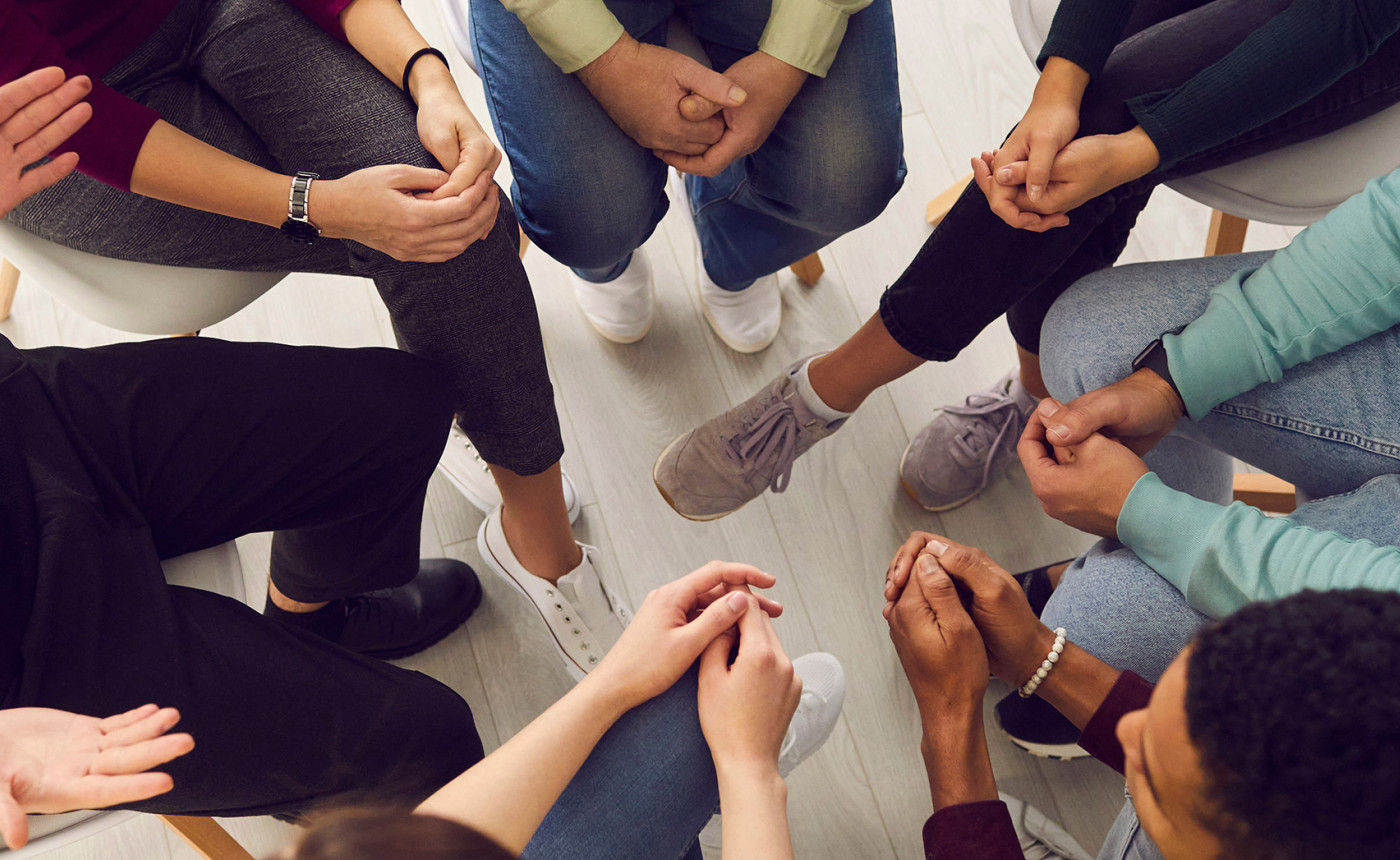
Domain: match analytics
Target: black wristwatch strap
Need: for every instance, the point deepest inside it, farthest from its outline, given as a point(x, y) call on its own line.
point(418, 55)
point(298, 226)
point(1154, 358)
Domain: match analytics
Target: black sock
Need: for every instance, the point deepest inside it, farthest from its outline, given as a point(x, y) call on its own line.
point(326, 622)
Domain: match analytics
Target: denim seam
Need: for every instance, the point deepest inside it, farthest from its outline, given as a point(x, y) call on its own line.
point(1308, 428)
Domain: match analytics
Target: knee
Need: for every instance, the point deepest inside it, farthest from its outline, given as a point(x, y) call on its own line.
point(413, 398)
point(853, 178)
point(439, 741)
point(591, 218)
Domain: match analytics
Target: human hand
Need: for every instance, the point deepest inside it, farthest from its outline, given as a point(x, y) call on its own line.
point(1085, 169)
point(674, 624)
point(1083, 485)
point(54, 761)
point(1137, 411)
point(746, 706)
point(390, 208)
point(1010, 203)
point(641, 87)
point(450, 132)
point(771, 85)
point(38, 112)
point(938, 645)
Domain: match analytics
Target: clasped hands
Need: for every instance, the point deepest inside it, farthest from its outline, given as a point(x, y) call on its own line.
point(693, 118)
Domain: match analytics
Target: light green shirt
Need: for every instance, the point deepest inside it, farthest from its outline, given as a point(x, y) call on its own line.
point(574, 33)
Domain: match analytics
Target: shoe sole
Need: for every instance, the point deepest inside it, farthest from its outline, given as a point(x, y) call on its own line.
point(486, 507)
point(656, 479)
point(447, 630)
point(576, 672)
point(741, 348)
point(613, 337)
point(936, 509)
point(1056, 752)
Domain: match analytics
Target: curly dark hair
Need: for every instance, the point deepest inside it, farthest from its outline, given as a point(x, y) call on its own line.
point(1294, 706)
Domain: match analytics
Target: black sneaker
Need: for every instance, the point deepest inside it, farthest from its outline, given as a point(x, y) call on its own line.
point(1036, 585)
point(396, 622)
point(1036, 727)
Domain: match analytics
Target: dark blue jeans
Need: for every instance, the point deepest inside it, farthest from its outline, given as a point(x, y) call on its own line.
point(974, 267)
point(589, 195)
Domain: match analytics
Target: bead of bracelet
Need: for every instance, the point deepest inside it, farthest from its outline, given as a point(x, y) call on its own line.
point(1051, 659)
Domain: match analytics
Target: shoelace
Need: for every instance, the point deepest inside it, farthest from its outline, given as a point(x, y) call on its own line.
point(768, 438)
point(372, 605)
point(984, 407)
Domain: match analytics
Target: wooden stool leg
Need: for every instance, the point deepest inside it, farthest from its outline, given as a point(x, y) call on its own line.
point(1226, 234)
point(938, 207)
point(524, 242)
point(1265, 492)
point(206, 837)
point(9, 282)
point(808, 269)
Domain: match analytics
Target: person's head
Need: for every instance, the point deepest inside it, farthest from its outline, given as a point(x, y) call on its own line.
point(370, 834)
point(1276, 735)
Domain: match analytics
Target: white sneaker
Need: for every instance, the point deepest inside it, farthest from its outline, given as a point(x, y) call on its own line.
point(582, 617)
point(747, 320)
point(462, 465)
point(823, 693)
point(1041, 838)
point(622, 309)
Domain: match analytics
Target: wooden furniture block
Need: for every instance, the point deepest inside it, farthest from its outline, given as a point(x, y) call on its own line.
point(9, 282)
point(938, 207)
point(1265, 492)
point(206, 837)
point(808, 269)
point(1226, 234)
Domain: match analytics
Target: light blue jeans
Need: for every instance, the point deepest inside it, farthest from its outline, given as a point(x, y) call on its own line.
point(1331, 426)
point(589, 195)
point(644, 792)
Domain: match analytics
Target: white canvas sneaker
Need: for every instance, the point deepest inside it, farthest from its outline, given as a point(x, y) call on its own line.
point(1041, 838)
point(462, 465)
point(583, 618)
point(622, 309)
point(823, 693)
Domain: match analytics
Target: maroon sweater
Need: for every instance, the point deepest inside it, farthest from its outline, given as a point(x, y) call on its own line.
point(983, 831)
point(89, 37)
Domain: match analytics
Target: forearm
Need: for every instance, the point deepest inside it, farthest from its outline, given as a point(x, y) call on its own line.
point(755, 814)
point(179, 168)
point(959, 768)
point(1062, 82)
point(507, 794)
point(383, 34)
point(1078, 685)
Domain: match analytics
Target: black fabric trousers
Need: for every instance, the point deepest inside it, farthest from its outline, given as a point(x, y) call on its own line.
point(258, 79)
point(139, 452)
point(974, 267)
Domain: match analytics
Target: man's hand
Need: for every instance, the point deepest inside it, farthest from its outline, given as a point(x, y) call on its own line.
point(938, 645)
point(641, 87)
point(1137, 411)
point(771, 85)
point(1083, 485)
point(38, 112)
point(54, 761)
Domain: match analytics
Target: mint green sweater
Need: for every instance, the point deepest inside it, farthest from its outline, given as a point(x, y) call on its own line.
point(1336, 284)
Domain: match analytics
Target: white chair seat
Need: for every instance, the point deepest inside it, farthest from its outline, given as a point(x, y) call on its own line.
point(1280, 187)
point(137, 297)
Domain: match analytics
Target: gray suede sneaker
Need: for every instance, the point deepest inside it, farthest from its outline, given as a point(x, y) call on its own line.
point(952, 459)
point(726, 462)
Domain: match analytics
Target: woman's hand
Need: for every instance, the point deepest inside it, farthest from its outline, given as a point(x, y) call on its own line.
point(674, 625)
point(38, 112)
point(54, 761)
point(1084, 169)
point(450, 132)
point(747, 704)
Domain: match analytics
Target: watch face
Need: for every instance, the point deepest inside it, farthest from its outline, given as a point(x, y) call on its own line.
point(301, 232)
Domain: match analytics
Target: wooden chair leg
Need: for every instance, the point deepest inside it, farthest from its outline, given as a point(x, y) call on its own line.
point(9, 282)
point(206, 837)
point(938, 207)
point(1226, 234)
point(808, 269)
point(1266, 493)
point(524, 243)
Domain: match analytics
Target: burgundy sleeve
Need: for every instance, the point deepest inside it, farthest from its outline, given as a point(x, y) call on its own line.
point(1100, 735)
point(326, 14)
point(108, 144)
point(980, 830)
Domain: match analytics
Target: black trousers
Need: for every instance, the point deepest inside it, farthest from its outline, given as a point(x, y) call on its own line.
point(138, 452)
point(974, 267)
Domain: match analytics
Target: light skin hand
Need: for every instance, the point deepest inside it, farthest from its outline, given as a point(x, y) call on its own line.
point(1082, 485)
point(38, 112)
point(1137, 411)
point(771, 85)
point(381, 207)
point(54, 761)
point(641, 86)
point(450, 132)
point(1085, 169)
point(1005, 202)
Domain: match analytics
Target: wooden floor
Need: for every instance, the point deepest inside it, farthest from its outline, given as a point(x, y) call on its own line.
point(964, 81)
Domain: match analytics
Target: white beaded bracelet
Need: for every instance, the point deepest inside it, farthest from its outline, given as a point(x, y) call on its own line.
point(1050, 660)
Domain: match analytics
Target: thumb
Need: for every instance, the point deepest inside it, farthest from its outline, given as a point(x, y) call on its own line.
point(938, 589)
point(14, 826)
point(1073, 423)
point(717, 618)
point(1038, 169)
point(710, 85)
point(697, 108)
point(1012, 174)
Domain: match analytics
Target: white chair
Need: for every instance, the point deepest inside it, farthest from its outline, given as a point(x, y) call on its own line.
point(137, 297)
point(216, 569)
point(456, 15)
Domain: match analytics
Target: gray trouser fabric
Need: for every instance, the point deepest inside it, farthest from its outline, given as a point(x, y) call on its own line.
point(258, 79)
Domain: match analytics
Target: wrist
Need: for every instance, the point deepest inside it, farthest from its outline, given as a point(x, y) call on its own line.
point(430, 78)
point(1136, 153)
point(609, 695)
point(1062, 83)
point(609, 63)
point(958, 765)
point(753, 772)
point(1030, 660)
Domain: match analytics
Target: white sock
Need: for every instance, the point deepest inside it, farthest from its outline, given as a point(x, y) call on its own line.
point(814, 402)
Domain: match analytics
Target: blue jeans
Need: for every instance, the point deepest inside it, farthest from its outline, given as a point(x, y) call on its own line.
point(1331, 426)
point(589, 195)
point(644, 792)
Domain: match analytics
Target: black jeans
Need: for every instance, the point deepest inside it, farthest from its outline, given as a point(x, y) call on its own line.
point(138, 452)
point(258, 79)
point(974, 267)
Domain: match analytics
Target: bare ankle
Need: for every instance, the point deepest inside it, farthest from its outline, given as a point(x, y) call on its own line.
point(286, 604)
point(536, 556)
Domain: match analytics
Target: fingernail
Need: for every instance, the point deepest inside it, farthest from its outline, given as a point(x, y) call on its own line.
point(938, 546)
point(737, 94)
point(737, 601)
point(1048, 408)
point(1060, 430)
point(1005, 174)
point(1036, 191)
